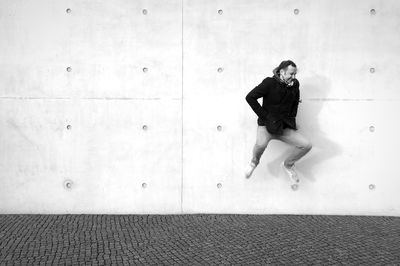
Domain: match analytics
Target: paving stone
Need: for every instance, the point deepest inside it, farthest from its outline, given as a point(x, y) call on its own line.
point(199, 239)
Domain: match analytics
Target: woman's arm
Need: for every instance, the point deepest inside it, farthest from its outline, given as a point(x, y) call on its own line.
point(259, 91)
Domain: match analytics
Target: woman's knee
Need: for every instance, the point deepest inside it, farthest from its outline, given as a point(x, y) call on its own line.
point(261, 144)
point(308, 146)
point(304, 145)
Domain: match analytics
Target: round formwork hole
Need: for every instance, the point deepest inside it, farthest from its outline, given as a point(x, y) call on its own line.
point(219, 128)
point(372, 70)
point(144, 185)
point(144, 127)
point(68, 127)
point(372, 128)
point(372, 11)
point(145, 69)
point(295, 187)
point(219, 185)
point(296, 11)
point(69, 69)
point(68, 184)
point(68, 10)
point(144, 11)
point(220, 69)
point(371, 186)
point(220, 12)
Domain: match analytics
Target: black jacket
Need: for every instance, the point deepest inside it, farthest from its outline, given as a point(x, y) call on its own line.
point(279, 107)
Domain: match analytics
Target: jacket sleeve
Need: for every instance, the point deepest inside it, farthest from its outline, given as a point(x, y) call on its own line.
point(295, 105)
point(259, 91)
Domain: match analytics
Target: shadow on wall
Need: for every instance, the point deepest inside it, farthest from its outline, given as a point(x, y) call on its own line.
point(308, 125)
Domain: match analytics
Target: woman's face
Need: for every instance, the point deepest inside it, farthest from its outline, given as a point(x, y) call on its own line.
point(289, 74)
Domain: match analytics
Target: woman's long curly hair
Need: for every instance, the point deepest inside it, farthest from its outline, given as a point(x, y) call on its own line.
point(283, 65)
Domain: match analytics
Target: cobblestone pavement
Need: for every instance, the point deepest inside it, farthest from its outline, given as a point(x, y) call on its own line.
point(199, 239)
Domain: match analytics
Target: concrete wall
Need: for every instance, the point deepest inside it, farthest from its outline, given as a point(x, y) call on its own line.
point(132, 125)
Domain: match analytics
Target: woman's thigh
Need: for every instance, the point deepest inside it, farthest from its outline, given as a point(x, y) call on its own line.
point(293, 137)
point(263, 136)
